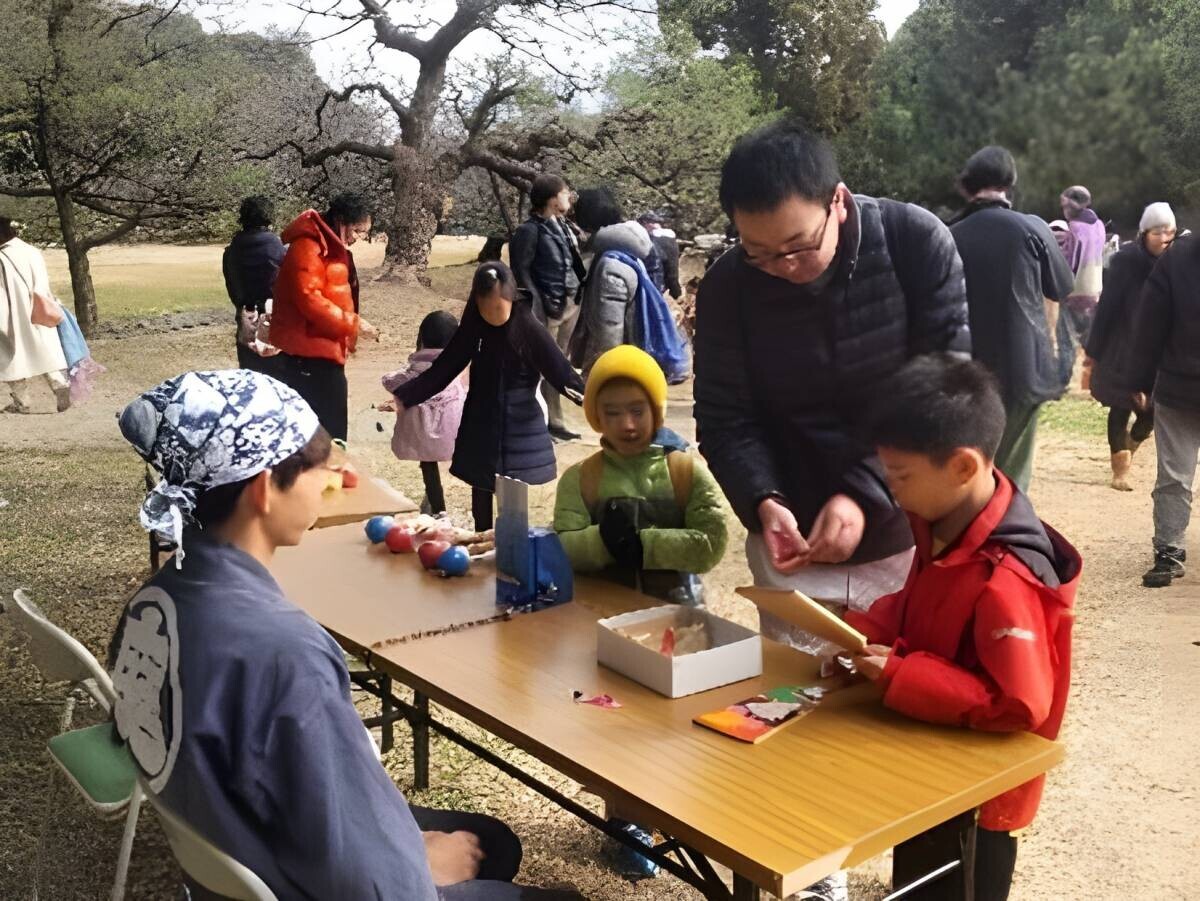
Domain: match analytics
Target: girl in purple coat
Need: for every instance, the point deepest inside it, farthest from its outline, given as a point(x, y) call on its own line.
point(426, 433)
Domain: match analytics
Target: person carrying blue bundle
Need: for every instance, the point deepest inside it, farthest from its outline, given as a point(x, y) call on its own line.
point(234, 702)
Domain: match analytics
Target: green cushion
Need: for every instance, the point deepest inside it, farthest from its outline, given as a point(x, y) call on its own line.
point(98, 763)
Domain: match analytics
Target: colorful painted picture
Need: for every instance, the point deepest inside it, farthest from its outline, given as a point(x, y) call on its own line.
point(758, 718)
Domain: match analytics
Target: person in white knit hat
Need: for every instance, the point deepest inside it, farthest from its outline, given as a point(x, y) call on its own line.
point(1108, 365)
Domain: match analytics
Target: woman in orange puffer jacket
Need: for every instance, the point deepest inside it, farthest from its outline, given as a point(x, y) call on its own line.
point(314, 319)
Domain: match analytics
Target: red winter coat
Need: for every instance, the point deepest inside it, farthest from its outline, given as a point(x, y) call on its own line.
point(981, 635)
point(315, 309)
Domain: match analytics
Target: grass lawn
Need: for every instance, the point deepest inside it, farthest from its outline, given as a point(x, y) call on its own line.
point(152, 279)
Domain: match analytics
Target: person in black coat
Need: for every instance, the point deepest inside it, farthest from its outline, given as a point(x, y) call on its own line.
point(503, 431)
point(549, 269)
point(666, 248)
point(1108, 367)
point(828, 295)
point(1166, 360)
point(250, 264)
point(1013, 267)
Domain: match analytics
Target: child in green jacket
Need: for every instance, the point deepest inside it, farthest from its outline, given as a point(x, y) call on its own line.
point(648, 517)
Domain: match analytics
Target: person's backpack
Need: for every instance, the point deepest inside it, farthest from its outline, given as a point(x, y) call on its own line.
point(680, 466)
point(656, 333)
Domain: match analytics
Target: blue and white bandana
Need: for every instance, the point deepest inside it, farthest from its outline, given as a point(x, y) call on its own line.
point(206, 429)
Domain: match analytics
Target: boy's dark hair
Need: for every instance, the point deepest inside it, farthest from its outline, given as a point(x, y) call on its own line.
point(544, 188)
point(347, 208)
point(488, 275)
point(215, 505)
point(935, 405)
point(7, 232)
point(256, 211)
point(774, 163)
point(991, 167)
point(436, 330)
point(597, 208)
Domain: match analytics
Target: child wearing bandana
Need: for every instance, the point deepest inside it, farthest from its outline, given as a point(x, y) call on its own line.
point(234, 702)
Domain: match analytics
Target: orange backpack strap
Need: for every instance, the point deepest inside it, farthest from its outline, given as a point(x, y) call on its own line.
point(682, 469)
point(590, 472)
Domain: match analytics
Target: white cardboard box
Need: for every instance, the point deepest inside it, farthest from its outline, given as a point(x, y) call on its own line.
point(736, 652)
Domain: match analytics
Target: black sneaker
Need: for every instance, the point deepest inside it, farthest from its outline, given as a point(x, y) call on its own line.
point(1168, 566)
point(564, 434)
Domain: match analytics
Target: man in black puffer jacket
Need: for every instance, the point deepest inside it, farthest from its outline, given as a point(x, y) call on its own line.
point(250, 264)
point(1166, 360)
point(827, 296)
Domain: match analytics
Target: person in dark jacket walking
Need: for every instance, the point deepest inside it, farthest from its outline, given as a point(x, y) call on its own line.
point(1166, 360)
point(502, 430)
point(1015, 272)
point(250, 264)
point(1110, 343)
point(667, 249)
point(548, 268)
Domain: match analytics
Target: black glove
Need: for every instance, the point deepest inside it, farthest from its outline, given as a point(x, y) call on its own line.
point(620, 535)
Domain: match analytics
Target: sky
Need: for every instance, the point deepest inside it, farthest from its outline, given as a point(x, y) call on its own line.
point(334, 55)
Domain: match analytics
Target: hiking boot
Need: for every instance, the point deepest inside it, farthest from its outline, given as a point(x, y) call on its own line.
point(1168, 566)
point(562, 433)
point(1121, 463)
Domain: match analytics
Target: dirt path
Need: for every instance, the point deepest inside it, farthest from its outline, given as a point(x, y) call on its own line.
point(1119, 819)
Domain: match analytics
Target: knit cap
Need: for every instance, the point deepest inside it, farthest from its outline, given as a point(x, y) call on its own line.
point(626, 362)
point(1157, 215)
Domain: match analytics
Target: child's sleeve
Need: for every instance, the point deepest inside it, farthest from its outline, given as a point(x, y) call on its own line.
point(1015, 691)
point(449, 364)
point(573, 523)
point(700, 544)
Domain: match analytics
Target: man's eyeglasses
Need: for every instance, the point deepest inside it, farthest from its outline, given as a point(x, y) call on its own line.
point(765, 260)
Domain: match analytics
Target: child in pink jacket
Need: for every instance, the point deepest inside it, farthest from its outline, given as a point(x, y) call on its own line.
point(426, 433)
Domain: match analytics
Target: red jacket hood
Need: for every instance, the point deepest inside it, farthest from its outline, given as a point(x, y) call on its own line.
point(309, 224)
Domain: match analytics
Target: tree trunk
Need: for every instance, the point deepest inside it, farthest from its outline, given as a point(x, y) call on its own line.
point(82, 288)
point(419, 194)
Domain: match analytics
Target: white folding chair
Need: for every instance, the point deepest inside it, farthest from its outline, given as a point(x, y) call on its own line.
point(94, 760)
point(204, 862)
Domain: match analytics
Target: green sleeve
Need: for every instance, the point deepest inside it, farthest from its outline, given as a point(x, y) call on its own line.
point(700, 544)
point(573, 523)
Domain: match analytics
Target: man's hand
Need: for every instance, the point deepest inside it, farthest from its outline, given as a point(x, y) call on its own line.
point(453, 856)
point(1141, 402)
point(837, 530)
point(366, 330)
point(787, 547)
point(872, 660)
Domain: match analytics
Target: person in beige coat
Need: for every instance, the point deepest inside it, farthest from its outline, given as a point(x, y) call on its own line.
point(27, 351)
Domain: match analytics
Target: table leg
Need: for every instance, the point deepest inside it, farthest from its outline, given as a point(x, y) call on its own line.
point(420, 730)
point(744, 889)
point(388, 737)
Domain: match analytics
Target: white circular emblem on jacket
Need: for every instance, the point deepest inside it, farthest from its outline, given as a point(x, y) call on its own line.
point(146, 678)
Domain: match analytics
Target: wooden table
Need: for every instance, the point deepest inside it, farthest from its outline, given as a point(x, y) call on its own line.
point(372, 496)
point(849, 781)
point(365, 594)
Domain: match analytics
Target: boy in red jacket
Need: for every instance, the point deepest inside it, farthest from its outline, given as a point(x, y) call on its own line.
point(980, 636)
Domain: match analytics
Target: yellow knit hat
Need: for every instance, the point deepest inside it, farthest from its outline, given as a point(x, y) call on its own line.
point(626, 362)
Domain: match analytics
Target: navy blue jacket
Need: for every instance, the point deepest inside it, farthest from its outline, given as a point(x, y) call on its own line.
point(547, 266)
point(237, 708)
point(783, 374)
point(250, 263)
